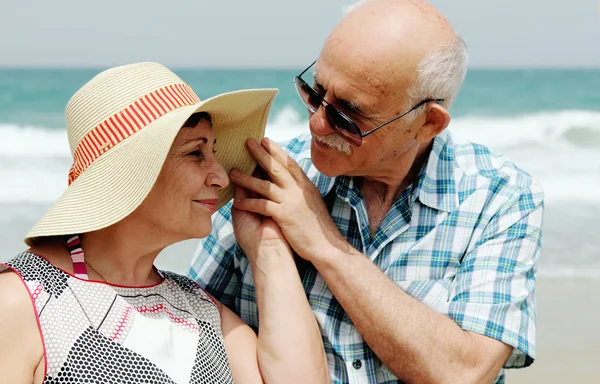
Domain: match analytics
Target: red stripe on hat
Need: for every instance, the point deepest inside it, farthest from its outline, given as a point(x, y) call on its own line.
point(96, 142)
point(109, 140)
point(130, 115)
point(175, 94)
point(138, 109)
point(165, 100)
point(145, 102)
point(187, 94)
point(162, 109)
point(121, 126)
point(130, 124)
point(127, 122)
point(181, 94)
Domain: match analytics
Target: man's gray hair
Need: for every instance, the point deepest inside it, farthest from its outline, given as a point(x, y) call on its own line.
point(441, 73)
point(346, 9)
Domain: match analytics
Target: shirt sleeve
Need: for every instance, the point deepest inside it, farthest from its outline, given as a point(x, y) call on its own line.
point(215, 265)
point(494, 290)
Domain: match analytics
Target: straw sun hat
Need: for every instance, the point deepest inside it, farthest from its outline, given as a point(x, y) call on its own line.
point(121, 125)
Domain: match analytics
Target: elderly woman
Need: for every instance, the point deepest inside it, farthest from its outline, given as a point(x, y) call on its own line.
point(85, 303)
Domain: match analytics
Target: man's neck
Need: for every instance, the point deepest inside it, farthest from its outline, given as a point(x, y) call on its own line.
point(380, 191)
point(391, 180)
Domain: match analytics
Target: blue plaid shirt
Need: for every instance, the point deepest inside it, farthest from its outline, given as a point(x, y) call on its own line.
point(463, 239)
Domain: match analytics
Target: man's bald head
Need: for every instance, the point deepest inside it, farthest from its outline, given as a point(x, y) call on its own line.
point(407, 42)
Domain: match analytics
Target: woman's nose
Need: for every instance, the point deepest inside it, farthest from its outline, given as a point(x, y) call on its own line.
point(217, 177)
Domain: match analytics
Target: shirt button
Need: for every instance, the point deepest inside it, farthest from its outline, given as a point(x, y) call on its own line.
point(357, 364)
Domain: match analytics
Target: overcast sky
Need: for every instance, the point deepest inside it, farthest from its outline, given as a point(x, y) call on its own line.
point(275, 33)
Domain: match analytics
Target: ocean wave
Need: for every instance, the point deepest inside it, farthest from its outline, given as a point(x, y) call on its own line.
point(579, 129)
point(560, 149)
point(32, 141)
point(576, 128)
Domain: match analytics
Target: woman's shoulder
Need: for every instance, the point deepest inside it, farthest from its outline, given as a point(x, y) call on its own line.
point(21, 263)
point(18, 328)
point(50, 254)
point(10, 281)
point(18, 313)
point(33, 266)
point(190, 287)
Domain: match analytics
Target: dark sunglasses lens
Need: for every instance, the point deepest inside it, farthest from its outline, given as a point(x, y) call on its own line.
point(344, 127)
point(309, 97)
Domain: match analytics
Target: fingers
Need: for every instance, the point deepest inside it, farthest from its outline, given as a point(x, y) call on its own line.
point(263, 188)
point(261, 206)
point(276, 171)
point(239, 193)
point(283, 158)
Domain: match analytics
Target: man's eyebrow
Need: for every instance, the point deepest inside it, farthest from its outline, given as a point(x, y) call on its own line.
point(350, 106)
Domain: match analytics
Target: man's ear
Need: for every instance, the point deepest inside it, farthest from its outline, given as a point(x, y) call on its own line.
point(437, 118)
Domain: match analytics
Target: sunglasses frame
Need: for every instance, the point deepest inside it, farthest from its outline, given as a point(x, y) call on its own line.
point(331, 110)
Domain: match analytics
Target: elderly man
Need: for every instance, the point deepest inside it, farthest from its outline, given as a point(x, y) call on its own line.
point(417, 249)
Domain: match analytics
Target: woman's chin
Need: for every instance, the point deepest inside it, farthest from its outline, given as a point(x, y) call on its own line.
point(202, 230)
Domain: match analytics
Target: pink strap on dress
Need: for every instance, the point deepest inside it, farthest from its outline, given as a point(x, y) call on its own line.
point(79, 267)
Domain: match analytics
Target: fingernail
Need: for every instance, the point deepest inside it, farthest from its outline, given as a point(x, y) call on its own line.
point(253, 143)
point(234, 173)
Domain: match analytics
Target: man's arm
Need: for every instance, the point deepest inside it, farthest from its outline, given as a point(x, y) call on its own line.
point(415, 342)
point(491, 305)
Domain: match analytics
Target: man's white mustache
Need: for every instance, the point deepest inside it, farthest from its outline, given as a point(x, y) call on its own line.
point(335, 141)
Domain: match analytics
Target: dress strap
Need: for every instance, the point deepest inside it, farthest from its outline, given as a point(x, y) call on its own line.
point(74, 246)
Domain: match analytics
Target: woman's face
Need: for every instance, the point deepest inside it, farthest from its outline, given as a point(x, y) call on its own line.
point(185, 194)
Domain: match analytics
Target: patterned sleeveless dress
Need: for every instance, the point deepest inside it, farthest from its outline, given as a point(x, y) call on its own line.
point(94, 332)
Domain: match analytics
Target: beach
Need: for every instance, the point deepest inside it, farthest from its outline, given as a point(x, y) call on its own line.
point(568, 341)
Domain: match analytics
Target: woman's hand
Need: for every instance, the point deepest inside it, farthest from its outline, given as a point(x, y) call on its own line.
point(290, 348)
point(259, 236)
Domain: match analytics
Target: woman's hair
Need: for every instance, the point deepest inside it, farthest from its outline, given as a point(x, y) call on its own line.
point(194, 119)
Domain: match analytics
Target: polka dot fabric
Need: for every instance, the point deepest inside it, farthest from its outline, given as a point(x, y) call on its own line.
point(98, 333)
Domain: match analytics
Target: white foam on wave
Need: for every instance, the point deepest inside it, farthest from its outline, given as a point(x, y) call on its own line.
point(561, 149)
point(29, 141)
point(573, 128)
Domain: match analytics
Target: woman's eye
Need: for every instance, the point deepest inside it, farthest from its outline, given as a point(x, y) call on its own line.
point(197, 154)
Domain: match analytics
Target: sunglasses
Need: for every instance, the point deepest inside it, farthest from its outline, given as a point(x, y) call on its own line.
point(341, 124)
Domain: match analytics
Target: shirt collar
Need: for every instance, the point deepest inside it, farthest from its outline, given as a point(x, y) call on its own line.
point(435, 186)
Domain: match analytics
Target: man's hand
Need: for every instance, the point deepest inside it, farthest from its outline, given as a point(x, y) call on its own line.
point(291, 199)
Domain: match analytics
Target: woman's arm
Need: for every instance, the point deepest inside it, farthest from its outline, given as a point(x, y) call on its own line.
point(240, 345)
point(290, 346)
point(21, 350)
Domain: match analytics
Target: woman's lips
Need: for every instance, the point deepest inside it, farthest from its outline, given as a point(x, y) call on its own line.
point(211, 204)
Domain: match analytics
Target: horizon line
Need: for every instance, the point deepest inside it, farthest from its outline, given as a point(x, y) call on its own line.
point(282, 68)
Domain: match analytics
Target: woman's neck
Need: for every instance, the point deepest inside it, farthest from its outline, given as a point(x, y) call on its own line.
point(122, 256)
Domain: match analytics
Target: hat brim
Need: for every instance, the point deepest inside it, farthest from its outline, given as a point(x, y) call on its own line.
point(116, 183)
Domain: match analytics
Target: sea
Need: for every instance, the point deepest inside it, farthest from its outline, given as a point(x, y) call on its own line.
point(546, 120)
